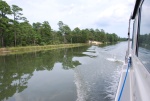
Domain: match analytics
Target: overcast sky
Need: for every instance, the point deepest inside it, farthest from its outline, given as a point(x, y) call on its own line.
point(110, 15)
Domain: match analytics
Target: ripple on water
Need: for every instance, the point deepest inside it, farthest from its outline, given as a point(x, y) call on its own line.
point(97, 80)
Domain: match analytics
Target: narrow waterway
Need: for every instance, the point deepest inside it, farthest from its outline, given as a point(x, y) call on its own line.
point(89, 73)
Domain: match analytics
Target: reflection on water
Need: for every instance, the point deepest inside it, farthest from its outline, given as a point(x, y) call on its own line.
point(76, 74)
point(17, 70)
point(144, 56)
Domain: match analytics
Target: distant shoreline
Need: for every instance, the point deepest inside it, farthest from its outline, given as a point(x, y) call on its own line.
point(27, 49)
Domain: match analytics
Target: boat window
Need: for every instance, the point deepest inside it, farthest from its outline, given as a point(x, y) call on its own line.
point(133, 34)
point(135, 25)
point(144, 36)
point(135, 30)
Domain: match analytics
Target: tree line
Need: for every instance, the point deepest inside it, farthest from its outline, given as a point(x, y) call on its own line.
point(19, 32)
point(144, 41)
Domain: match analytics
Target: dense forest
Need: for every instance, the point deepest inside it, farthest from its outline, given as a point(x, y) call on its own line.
point(17, 31)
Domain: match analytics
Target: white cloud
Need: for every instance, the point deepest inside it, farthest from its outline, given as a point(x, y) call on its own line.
point(8, 1)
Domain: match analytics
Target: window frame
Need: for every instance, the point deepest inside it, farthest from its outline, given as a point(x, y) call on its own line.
point(138, 32)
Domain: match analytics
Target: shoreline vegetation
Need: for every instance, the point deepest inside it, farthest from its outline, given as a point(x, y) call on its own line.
point(27, 49)
point(18, 35)
point(16, 31)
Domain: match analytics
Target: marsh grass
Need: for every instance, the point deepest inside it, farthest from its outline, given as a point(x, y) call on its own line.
point(26, 49)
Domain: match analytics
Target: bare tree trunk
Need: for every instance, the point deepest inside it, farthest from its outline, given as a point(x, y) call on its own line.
point(34, 41)
point(0, 42)
point(2, 39)
point(65, 41)
point(15, 38)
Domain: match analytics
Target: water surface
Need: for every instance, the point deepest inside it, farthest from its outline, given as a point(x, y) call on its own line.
point(89, 73)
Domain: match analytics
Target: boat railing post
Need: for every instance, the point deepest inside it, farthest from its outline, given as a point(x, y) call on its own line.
point(129, 36)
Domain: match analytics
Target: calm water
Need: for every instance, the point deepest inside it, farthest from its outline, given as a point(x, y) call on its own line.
point(88, 73)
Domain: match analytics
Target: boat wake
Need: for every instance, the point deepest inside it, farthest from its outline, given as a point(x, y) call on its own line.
point(97, 79)
point(113, 84)
point(114, 60)
point(81, 89)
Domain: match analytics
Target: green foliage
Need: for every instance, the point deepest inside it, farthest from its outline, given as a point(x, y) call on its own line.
point(14, 32)
point(123, 39)
point(4, 9)
point(16, 12)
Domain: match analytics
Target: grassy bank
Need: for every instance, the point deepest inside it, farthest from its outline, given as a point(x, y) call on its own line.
point(20, 50)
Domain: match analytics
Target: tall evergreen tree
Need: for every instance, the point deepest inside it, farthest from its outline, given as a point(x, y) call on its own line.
point(4, 20)
point(17, 16)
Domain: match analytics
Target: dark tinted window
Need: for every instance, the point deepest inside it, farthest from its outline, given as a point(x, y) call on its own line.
point(144, 37)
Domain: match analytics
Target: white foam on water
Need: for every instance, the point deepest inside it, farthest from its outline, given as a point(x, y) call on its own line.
point(111, 59)
point(114, 60)
point(90, 90)
point(112, 88)
point(81, 90)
